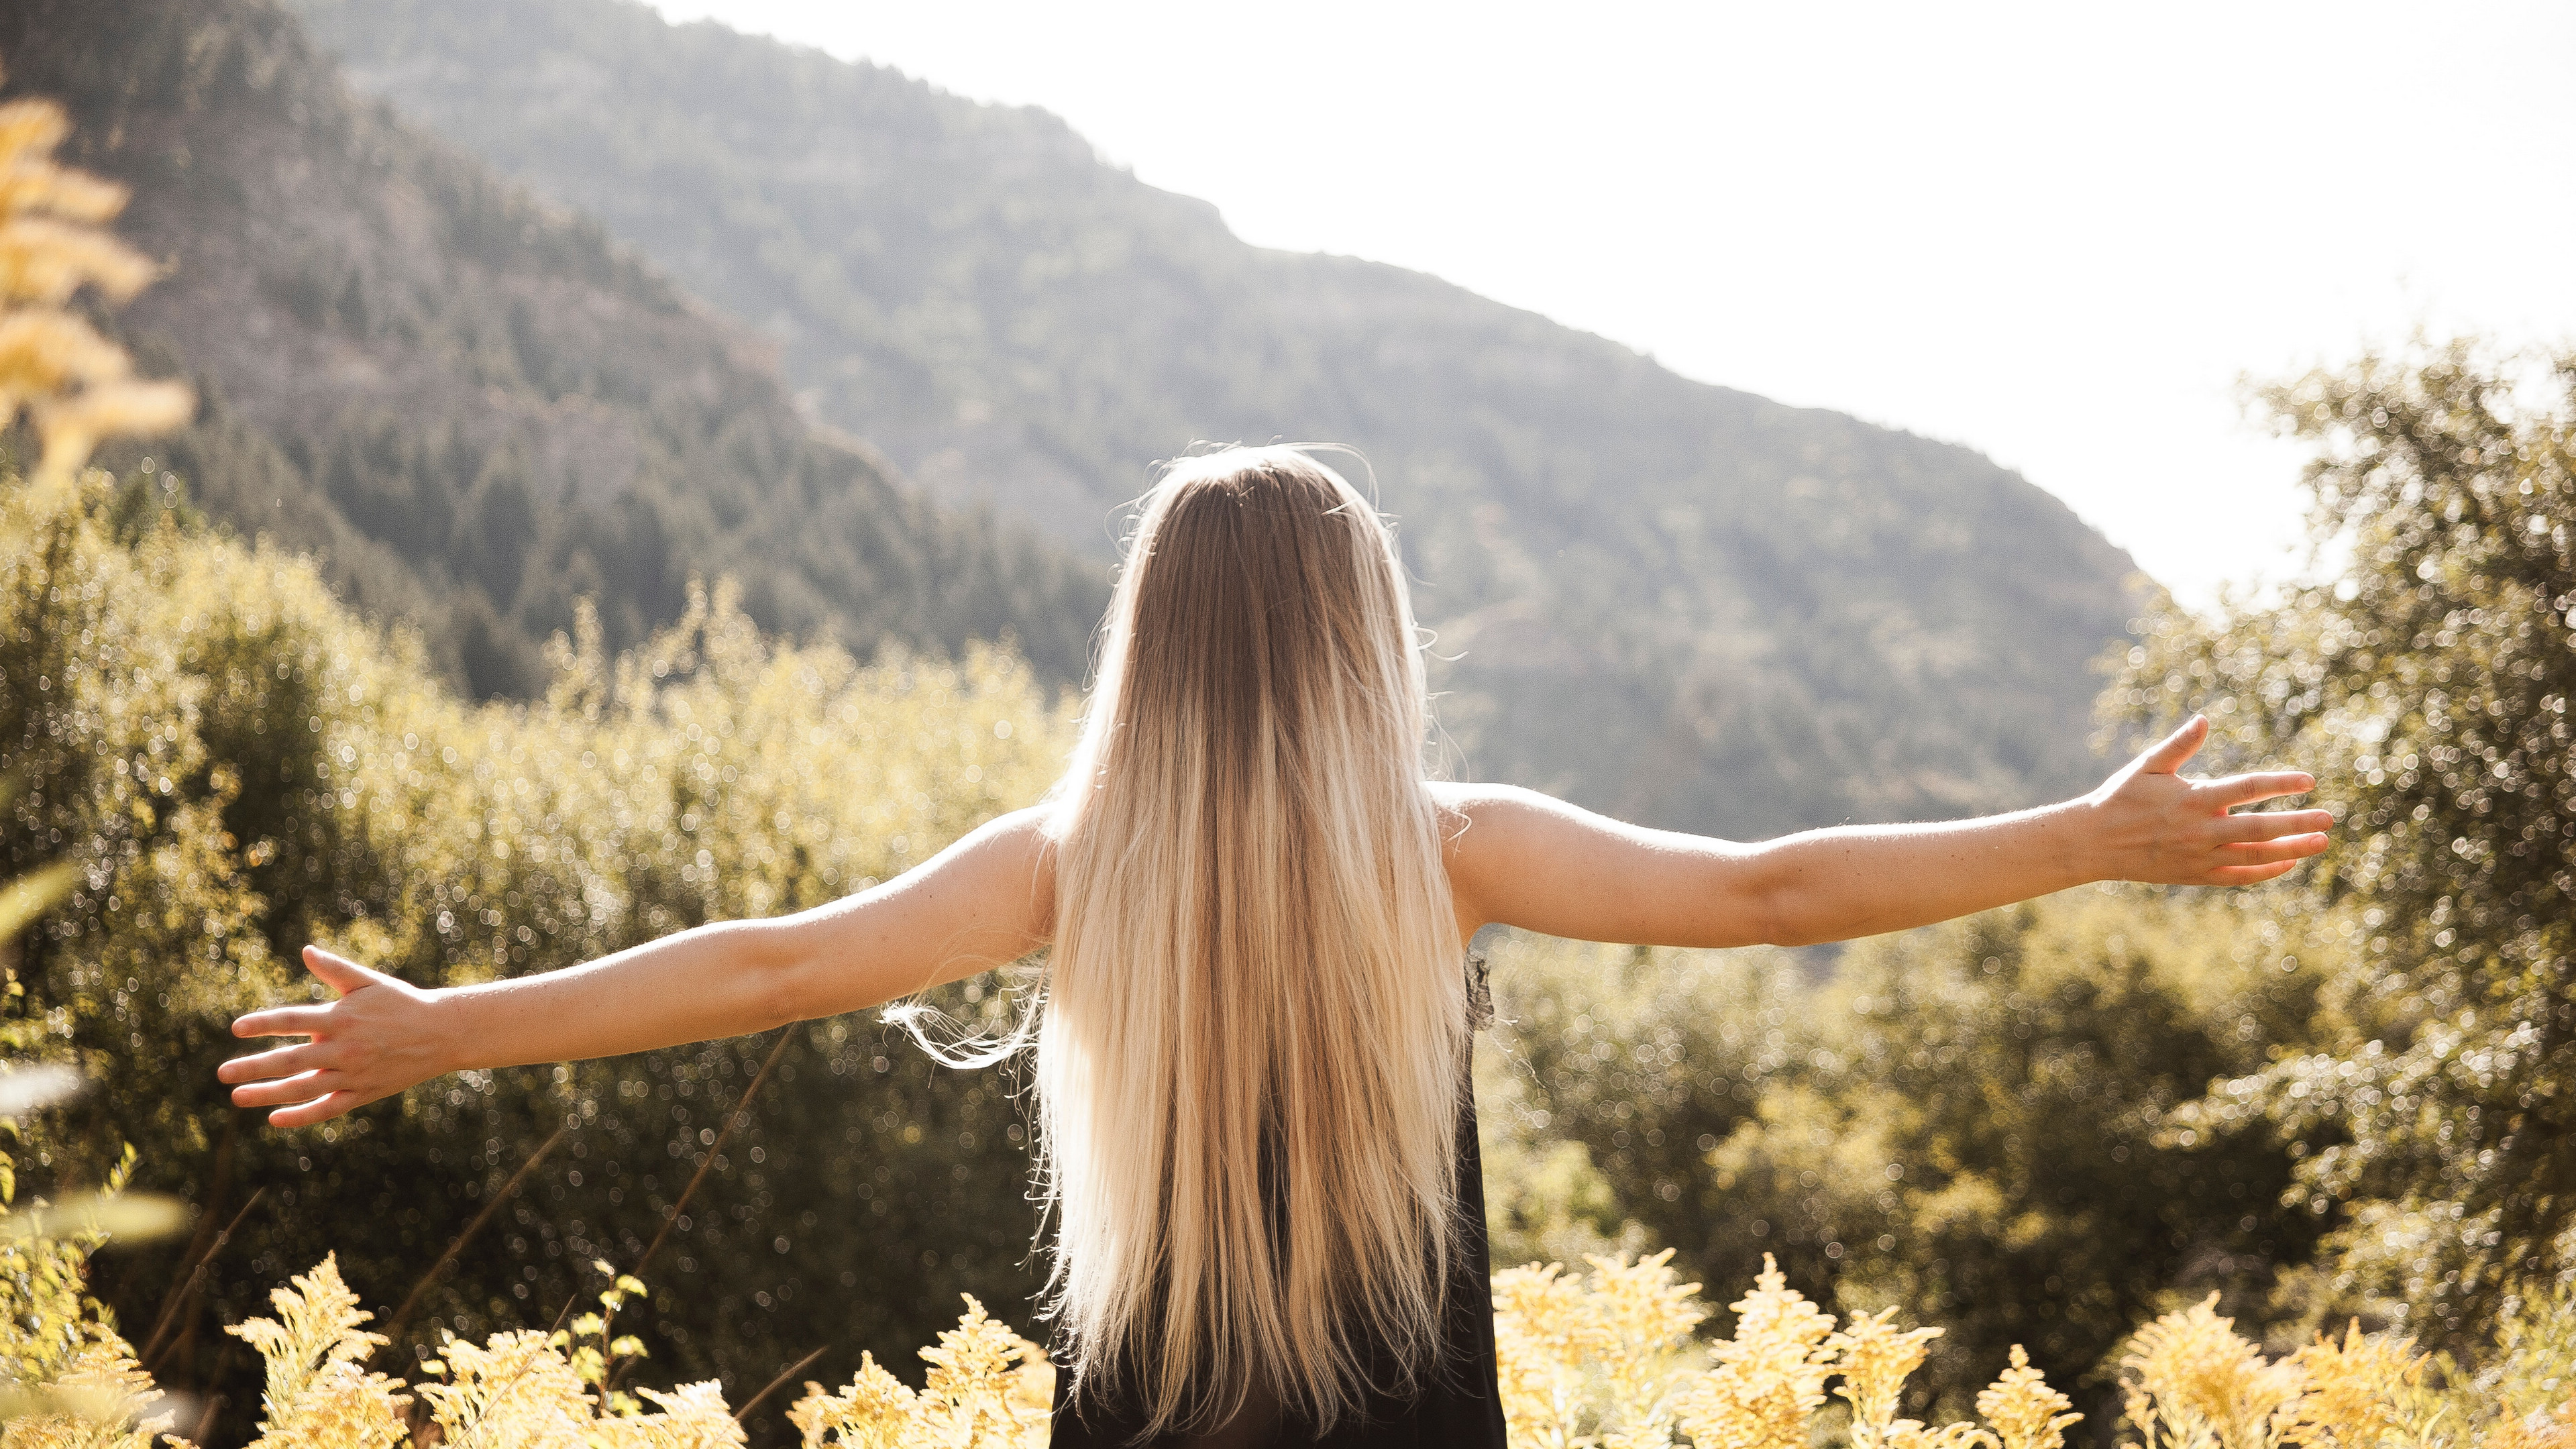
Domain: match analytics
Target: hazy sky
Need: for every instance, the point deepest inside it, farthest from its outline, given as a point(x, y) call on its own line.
point(2056, 233)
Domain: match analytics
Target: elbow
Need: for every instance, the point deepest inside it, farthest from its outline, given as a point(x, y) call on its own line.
point(1783, 934)
point(1780, 917)
point(1790, 919)
point(778, 985)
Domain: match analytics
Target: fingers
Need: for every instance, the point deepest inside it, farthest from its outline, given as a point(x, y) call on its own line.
point(299, 1081)
point(339, 972)
point(287, 1091)
point(2253, 875)
point(283, 1021)
point(2290, 848)
point(320, 1109)
point(2237, 790)
point(276, 1062)
point(2272, 825)
point(2168, 757)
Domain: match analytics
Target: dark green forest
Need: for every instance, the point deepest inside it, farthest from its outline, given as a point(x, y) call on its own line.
point(474, 407)
point(1671, 601)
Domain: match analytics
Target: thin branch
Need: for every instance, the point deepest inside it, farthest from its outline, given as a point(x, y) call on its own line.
point(216, 1401)
point(402, 1315)
point(183, 1281)
point(789, 1372)
point(741, 1109)
point(188, 1289)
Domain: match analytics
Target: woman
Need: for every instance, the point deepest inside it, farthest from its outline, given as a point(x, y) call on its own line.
point(1255, 1135)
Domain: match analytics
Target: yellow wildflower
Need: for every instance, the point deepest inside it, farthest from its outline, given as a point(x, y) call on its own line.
point(2192, 1383)
point(2026, 1412)
point(1876, 1358)
point(1770, 1377)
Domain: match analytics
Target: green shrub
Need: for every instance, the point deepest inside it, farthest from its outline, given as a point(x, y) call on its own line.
point(234, 764)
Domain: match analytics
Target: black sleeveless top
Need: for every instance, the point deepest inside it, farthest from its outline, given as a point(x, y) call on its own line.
point(1457, 1404)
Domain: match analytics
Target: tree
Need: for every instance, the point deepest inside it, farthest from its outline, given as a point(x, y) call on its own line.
point(2426, 686)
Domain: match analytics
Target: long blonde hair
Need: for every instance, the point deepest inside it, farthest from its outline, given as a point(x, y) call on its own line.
point(1253, 1036)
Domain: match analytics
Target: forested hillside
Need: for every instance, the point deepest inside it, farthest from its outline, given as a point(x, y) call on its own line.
point(1675, 601)
point(475, 407)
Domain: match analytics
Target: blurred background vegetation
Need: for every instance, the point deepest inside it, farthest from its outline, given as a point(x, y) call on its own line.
point(399, 647)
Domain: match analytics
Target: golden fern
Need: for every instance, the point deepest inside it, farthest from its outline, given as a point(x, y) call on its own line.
point(101, 1400)
point(1547, 1333)
point(1609, 1363)
point(988, 1388)
point(2025, 1411)
point(318, 1396)
point(75, 386)
point(1770, 1376)
point(1875, 1358)
point(2191, 1383)
point(1605, 1362)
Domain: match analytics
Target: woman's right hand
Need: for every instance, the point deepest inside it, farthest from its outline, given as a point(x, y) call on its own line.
point(380, 1037)
point(2149, 823)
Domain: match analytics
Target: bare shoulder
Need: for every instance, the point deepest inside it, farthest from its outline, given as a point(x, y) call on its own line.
point(1491, 837)
point(1462, 801)
point(1481, 816)
point(1027, 830)
point(1020, 845)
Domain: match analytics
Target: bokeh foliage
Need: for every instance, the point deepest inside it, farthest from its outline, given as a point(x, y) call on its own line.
point(1970, 1120)
point(2427, 686)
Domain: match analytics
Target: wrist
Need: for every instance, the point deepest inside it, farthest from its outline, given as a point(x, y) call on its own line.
point(2082, 848)
point(443, 1033)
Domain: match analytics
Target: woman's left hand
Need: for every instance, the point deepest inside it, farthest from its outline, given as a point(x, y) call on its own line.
point(377, 1039)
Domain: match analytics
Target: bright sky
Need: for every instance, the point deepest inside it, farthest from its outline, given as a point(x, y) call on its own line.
point(2057, 233)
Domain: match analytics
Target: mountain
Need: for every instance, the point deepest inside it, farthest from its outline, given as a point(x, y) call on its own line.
point(475, 405)
point(1678, 602)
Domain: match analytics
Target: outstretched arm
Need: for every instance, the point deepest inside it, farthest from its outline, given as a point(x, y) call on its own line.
point(983, 902)
point(1525, 860)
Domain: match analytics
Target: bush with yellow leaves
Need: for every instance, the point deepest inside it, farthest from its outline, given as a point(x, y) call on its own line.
point(67, 1377)
point(1610, 1362)
point(2192, 1382)
point(1606, 1361)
